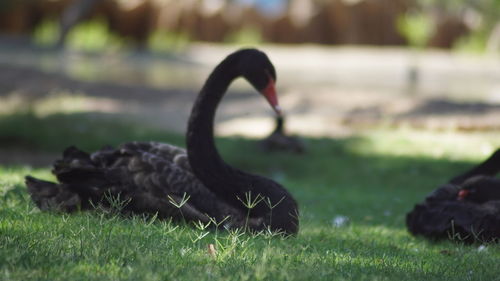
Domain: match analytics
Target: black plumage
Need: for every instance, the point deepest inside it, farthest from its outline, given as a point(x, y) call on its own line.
point(465, 209)
point(155, 178)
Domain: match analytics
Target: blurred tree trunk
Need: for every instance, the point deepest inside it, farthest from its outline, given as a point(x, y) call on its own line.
point(132, 20)
point(72, 15)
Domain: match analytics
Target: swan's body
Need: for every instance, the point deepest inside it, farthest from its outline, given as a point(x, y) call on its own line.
point(466, 208)
point(154, 178)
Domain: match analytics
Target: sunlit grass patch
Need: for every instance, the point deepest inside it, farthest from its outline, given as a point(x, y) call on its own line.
point(435, 144)
point(56, 102)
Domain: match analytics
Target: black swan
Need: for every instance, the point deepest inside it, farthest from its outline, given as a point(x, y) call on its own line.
point(278, 140)
point(157, 178)
point(467, 208)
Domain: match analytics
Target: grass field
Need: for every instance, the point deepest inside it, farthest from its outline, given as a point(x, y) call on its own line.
point(353, 195)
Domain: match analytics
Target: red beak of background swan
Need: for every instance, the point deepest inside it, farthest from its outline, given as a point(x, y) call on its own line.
point(269, 93)
point(462, 194)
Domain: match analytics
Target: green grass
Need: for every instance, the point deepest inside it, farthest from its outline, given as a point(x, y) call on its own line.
point(373, 179)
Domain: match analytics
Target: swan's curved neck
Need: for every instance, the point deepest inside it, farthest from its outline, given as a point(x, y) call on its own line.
point(227, 182)
point(203, 156)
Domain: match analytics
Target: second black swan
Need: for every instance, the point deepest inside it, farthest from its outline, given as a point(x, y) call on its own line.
point(467, 208)
point(155, 178)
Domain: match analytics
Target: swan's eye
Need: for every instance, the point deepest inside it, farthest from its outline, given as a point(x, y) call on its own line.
point(270, 74)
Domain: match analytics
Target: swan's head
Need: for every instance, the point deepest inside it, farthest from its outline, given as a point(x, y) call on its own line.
point(258, 70)
point(480, 189)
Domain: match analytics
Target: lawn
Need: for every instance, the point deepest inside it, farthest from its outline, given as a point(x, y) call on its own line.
point(353, 193)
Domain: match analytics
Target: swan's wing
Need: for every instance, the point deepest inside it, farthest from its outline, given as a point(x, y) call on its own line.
point(152, 176)
point(152, 165)
point(145, 166)
point(139, 178)
point(158, 168)
point(166, 152)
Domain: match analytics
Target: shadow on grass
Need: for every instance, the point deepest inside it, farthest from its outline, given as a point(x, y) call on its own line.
point(55, 132)
point(333, 178)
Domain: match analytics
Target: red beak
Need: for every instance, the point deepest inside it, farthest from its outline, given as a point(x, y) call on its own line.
point(269, 93)
point(462, 194)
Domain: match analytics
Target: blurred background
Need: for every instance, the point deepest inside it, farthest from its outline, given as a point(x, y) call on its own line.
point(343, 65)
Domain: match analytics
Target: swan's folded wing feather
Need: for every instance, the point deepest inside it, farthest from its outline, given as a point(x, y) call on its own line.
point(144, 174)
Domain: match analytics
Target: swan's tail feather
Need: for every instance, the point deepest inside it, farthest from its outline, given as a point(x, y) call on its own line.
point(75, 166)
point(82, 175)
point(82, 181)
point(78, 179)
point(50, 196)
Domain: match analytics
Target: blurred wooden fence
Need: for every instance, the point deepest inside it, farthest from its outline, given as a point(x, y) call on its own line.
point(315, 21)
